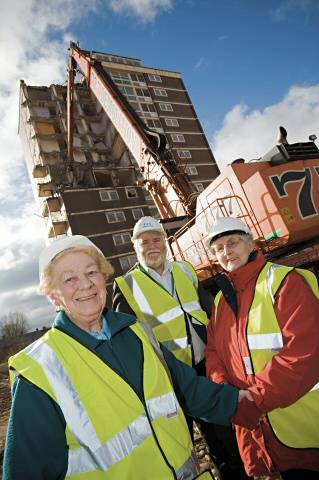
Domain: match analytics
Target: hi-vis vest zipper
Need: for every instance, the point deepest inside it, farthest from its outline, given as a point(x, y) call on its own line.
point(153, 305)
point(111, 433)
point(297, 425)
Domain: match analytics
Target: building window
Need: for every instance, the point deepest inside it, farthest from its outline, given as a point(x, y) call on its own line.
point(191, 170)
point(143, 94)
point(166, 107)
point(154, 78)
point(200, 187)
point(184, 154)
point(121, 238)
point(148, 109)
point(136, 77)
point(136, 106)
point(115, 217)
point(171, 122)
point(127, 92)
point(120, 77)
point(107, 195)
point(127, 262)
point(154, 124)
point(160, 92)
point(137, 213)
point(177, 137)
point(131, 192)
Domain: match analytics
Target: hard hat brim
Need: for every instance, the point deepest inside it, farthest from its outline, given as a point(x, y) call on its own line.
point(212, 238)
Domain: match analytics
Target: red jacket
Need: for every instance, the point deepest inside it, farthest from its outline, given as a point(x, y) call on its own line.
point(288, 376)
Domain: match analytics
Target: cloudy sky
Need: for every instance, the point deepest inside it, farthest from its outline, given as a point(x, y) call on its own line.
point(249, 66)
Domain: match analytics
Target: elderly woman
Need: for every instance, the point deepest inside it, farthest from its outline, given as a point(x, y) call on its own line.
point(96, 397)
point(264, 337)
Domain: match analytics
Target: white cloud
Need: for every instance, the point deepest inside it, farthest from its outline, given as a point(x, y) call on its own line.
point(22, 237)
point(286, 8)
point(250, 134)
point(37, 309)
point(145, 10)
point(201, 64)
point(27, 38)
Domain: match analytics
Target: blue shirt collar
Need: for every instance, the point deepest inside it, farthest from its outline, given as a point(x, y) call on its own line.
point(116, 321)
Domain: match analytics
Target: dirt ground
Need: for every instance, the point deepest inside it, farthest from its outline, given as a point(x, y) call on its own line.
point(5, 400)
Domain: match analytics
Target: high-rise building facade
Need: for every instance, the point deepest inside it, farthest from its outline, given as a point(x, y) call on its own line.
point(98, 193)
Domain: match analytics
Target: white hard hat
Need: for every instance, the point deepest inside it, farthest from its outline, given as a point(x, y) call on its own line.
point(225, 226)
point(147, 224)
point(61, 244)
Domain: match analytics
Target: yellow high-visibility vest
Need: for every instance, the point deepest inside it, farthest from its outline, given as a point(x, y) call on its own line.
point(111, 433)
point(155, 306)
point(296, 425)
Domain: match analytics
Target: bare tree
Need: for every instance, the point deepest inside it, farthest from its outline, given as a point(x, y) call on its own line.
point(13, 325)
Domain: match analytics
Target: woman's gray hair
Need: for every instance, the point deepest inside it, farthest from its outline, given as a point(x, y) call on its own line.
point(247, 236)
point(47, 277)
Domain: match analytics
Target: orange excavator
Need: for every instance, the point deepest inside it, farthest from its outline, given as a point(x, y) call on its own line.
point(277, 195)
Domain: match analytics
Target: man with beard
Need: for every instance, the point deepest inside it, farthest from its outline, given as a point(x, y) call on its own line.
point(169, 298)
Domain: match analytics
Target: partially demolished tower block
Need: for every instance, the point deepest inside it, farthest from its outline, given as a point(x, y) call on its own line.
point(97, 194)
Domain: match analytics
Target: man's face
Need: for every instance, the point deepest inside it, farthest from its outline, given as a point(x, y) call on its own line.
point(151, 249)
point(232, 251)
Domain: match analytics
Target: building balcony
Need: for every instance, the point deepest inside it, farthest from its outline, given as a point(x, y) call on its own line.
point(45, 189)
point(44, 128)
point(51, 205)
point(58, 228)
point(39, 171)
point(57, 224)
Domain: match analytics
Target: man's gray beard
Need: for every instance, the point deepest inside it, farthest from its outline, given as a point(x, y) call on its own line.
point(150, 262)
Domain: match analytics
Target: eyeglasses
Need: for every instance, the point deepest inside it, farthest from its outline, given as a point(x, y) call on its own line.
point(230, 245)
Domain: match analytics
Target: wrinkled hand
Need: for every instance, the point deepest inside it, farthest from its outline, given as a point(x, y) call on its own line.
point(245, 394)
point(247, 415)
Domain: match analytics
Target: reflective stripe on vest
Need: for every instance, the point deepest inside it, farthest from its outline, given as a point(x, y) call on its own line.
point(294, 425)
point(269, 341)
point(175, 312)
point(155, 306)
point(217, 299)
point(93, 450)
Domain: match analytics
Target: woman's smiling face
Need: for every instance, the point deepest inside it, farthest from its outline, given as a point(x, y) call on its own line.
point(232, 251)
point(79, 289)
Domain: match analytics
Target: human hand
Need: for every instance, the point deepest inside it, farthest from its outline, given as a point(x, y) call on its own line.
point(247, 415)
point(245, 394)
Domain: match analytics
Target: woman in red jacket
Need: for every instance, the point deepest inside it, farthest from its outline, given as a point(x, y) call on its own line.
point(264, 337)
